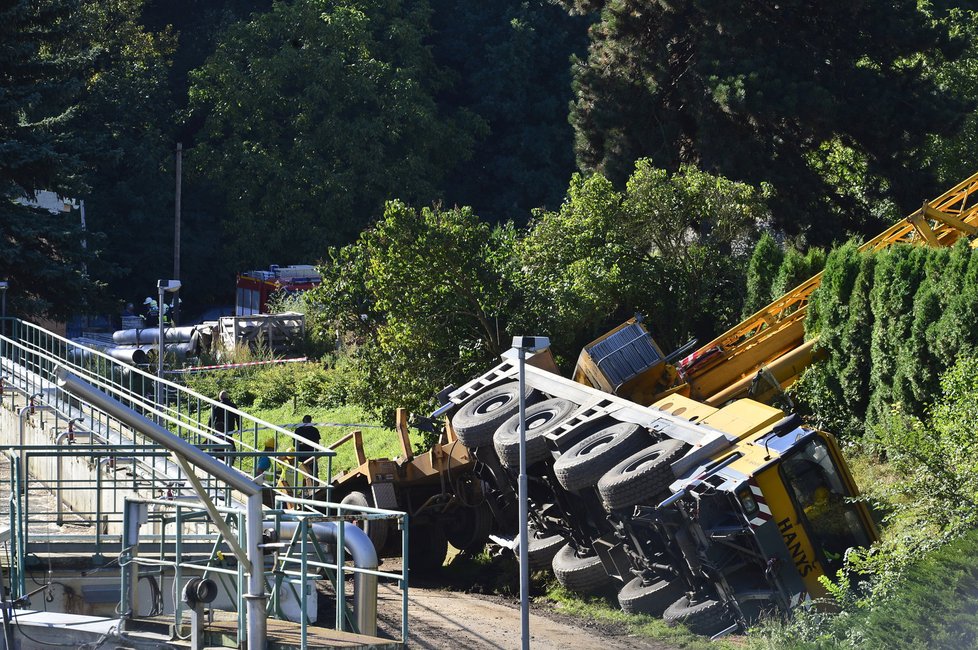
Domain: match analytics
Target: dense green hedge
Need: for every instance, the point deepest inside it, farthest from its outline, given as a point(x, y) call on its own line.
point(892, 322)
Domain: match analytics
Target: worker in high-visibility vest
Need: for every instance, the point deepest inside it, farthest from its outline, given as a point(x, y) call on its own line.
point(266, 469)
point(288, 480)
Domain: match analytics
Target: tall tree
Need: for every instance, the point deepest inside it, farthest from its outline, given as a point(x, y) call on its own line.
point(122, 128)
point(424, 290)
point(317, 112)
point(511, 65)
point(754, 90)
point(40, 80)
point(761, 271)
point(671, 246)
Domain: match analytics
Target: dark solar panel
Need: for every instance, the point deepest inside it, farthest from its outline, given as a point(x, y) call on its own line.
point(625, 354)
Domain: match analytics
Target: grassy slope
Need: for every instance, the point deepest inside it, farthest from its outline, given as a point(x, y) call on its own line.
point(377, 442)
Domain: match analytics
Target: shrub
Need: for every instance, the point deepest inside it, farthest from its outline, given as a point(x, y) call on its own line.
point(761, 271)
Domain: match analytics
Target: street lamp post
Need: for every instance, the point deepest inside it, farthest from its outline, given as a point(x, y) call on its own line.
point(3, 298)
point(164, 287)
point(525, 344)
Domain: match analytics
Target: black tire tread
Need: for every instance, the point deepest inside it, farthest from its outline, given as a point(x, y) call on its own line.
point(377, 529)
point(706, 617)
point(507, 436)
point(636, 597)
point(475, 428)
point(584, 576)
point(584, 463)
point(541, 550)
point(469, 527)
point(643, 477)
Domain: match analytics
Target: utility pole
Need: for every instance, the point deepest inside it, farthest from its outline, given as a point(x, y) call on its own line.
point(176, 233)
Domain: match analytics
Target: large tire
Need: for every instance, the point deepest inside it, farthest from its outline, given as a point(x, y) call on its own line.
point(641, 478)
point(706, 617)
point(637, 597)
point(582, 575)
point(377, 529)
point(468, 529)
point(477, 420)
point(541, 550)
point(540, 419)
point(584, 463)
point(427, 548)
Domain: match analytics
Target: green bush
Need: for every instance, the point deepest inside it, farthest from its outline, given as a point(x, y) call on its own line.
point(891, 322)
point(761, 271)
point(932, 605)
point(275, 385)
point(795, 268)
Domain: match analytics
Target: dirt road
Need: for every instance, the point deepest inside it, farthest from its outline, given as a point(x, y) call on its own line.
point(451, 620)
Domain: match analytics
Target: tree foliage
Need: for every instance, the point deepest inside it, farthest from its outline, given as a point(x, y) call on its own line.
point(761, 271)
point(122, 130)
point(317, 112)
point(432, 297)
point(891, 322)
point(510, 65)
point(671, 246)
point(424, 292)
point(42, 70)
point(754, 90)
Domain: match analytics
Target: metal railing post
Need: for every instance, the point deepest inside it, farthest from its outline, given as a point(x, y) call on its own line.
point(303, 575)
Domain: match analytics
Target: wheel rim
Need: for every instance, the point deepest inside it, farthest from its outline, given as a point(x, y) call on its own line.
point(637, 465)
point(539, 420)
point(493, 405)
point(598, 444)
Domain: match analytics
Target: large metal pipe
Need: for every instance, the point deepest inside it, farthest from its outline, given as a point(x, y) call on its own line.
point(151, 335)
point(255, 598)
point(364, 555)
point(180, 351)
point(130, 355)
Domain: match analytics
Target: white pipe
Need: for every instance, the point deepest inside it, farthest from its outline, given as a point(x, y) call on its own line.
point(364, 555)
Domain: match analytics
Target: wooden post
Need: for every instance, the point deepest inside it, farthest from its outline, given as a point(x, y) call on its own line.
point(402, 429)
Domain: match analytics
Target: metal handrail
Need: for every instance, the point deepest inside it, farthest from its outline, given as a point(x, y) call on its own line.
point(30, 359)
point(40, 351)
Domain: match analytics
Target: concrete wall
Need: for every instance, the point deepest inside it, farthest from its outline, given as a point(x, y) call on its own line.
point(68, 478)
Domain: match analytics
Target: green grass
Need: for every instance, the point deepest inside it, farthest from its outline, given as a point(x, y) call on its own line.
point(603, 611)
point(377, 442)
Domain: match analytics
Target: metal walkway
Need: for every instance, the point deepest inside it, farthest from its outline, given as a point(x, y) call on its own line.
point(123, 499)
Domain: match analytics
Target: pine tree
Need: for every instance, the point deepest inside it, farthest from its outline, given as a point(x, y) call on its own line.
point(956, 332)
point(795, 269)
point(40, 81)
point(761, 271)
point(853, 368)
point(753, 91)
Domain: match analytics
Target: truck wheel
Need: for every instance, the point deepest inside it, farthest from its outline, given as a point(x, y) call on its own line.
point(427, 548)
point(376, 529)
point(540, 551)
point(478, 419)
point(642, 477)
point(639, 598)
point(583, 464)
point(706, 617)
point(582, 575)
point(467, 529)
point(541, 418)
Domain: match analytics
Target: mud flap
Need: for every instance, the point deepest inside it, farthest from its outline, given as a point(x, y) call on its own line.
point(612, 553)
